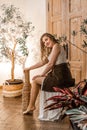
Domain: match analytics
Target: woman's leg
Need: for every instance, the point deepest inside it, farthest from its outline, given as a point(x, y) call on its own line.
point(35, 86)
point(33, 96)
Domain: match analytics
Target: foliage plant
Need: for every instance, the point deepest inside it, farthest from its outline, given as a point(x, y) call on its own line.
point(14, 31)
point(70, 99)
point(78, 116)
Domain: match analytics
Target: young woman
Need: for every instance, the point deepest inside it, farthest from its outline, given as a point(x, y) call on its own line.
point(56, 72)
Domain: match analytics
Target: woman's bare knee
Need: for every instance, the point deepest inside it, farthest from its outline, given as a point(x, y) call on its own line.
point(38, 80)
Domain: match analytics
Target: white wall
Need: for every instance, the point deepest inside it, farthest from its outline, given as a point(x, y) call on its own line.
point(34, 11)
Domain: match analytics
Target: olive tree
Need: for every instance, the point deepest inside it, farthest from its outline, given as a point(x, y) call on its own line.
point(14, 31)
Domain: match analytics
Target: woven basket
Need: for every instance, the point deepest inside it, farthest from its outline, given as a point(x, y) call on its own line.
point(12, 89)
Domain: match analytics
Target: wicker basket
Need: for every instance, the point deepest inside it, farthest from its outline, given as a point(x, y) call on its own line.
point(12, 89)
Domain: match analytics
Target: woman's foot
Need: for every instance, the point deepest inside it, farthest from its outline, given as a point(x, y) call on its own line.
point(29, 111)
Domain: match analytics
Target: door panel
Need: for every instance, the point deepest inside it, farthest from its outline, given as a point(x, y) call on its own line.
point(54, 22)
point(74, 5)
point(63, 17)
point(74, 24)
point(76, 56)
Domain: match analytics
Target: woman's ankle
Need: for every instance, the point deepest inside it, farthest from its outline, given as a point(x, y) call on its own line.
point(31, 108)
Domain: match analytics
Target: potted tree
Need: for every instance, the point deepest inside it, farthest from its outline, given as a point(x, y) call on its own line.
point(14, 31)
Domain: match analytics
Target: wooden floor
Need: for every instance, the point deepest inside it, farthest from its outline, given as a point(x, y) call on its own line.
point(11, 117)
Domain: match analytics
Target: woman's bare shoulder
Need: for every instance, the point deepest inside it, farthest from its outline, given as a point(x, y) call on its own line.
point(57, 46)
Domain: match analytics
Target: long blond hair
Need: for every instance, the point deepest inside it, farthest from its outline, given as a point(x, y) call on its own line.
point(44, 50)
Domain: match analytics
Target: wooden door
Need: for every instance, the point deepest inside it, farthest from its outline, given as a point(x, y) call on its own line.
point(54, 17)
point(63, 17)
point(76, 12)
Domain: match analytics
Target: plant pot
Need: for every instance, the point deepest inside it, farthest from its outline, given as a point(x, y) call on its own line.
point(12, 88)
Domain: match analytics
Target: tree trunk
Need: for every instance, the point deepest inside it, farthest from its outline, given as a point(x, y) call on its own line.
point(12, 68)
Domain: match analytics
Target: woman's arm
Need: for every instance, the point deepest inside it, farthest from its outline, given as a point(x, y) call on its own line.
point(37, 65)
point(53, 57)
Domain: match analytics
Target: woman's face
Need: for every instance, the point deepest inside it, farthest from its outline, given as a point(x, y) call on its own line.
point(47, 42)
